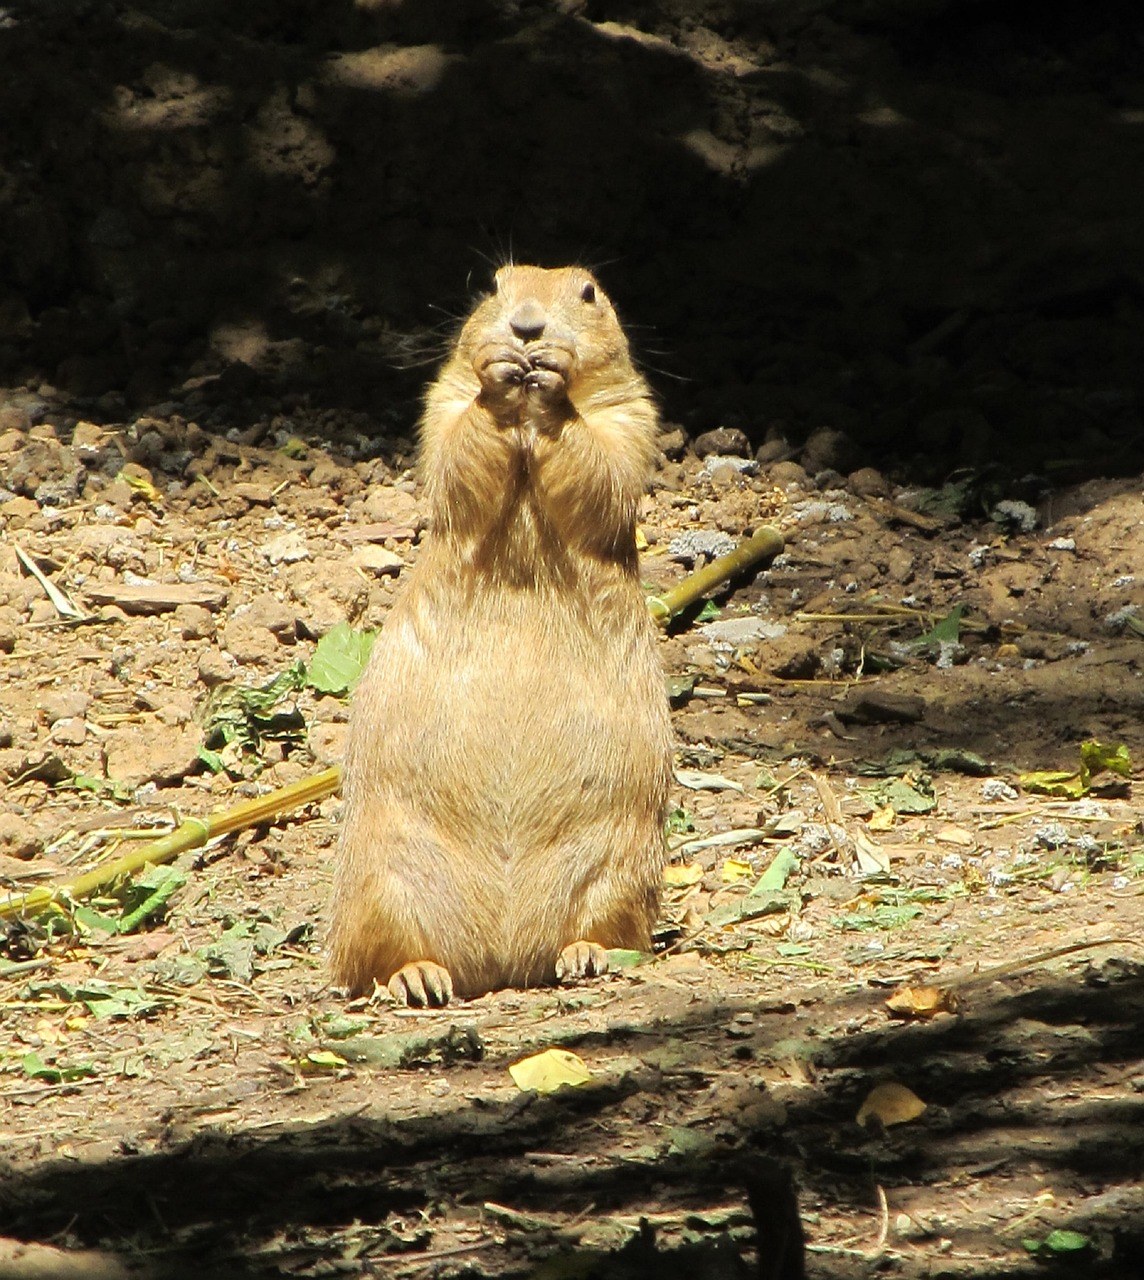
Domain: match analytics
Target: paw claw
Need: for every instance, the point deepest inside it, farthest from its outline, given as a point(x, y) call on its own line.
point(581, 960)
point(422, 984)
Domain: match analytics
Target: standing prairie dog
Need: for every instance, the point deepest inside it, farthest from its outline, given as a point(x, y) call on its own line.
point(509, 750)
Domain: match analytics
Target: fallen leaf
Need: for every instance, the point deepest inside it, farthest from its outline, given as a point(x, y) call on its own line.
point(921, 1002)
point(694, 780)
point(881, 819)
point(955, 835)
point(548, 1071)
point(682, 875)
point(734, 869)
point(872, 859)
point(890, 1104)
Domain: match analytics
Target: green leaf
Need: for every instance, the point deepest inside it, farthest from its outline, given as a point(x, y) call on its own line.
point(622, 958)
point(339, 659)
point(709, 612)
point(901, 796)
point(1065, 1241)
point(947, 631)
point(776, 874)
point(35, 1068)
point(679, 690)
point(679, 822)
point(1053, 782)
point(1095, 757)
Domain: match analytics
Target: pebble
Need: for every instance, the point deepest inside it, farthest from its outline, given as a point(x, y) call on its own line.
point(194, 622)
point(866, 482)
point(64, 704)
point(1063, 544)
point(327, 743)
point(248, 643)
point(266, 610)
point(16, 838)
point(829, 449)
point(70, 731)
point(693, 544)
point(151, 751)
point(997, 789)
point(724, 441)
point(216, 668)
point(377, 560)
point(739, 631)
point(1015, 515)
point(287, 548)
point(729, 464)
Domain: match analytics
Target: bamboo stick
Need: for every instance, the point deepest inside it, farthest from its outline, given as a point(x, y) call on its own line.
point(192, 833)
point(764, 544)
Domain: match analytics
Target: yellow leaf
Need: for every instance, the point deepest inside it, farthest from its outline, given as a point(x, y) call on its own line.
point(548, 1071)
point(76, 1023)
point(322, 1060)
point(139, 478)
point(955, 835)
point(735, 869)
point(681, 875)
point(921, 1002)
point(641, 539)
point(891, 1104)
point(881, 819)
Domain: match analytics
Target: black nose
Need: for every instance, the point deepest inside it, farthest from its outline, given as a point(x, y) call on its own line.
point(528, 320)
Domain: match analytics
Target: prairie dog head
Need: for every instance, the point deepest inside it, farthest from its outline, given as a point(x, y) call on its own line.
point(552, 332)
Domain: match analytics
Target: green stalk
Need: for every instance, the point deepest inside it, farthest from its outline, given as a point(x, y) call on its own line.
point(192, 833)
point(765, 544)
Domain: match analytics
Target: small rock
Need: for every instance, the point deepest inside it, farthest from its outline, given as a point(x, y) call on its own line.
point(16, 837)
point(256, 494)
point(63, 704)
point(997, 789)
point(867, 482)
point(9, 629)
point(693, 544)
point(18, 511)
point(1053, 835)
point(1063, 544)
point(266, 610)
point(740, 631)
point(152, 752)
point(327, 743)
point(388, 503)
point(736, 466)
point(776, 449)
point(216, 668)
point(723, 440)
point(829, 480)
point(287, 548)
point(829, 448)
point(194, 622)
point(248, 643)
point(1014, 515)
point(788, 475)
point(70, 731)
point(821, 512)
point(672, 441)
point(377, 560)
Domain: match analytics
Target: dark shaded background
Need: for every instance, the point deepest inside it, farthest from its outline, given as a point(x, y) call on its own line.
point(920, 223)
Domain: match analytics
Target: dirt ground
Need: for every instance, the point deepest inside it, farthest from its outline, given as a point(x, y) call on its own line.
point(189, 1097)
point(898, 246)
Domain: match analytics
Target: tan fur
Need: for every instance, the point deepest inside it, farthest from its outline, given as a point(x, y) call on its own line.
point(509, 751)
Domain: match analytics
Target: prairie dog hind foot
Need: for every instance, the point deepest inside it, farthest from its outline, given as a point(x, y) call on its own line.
point(581, 960)
point(421, 984)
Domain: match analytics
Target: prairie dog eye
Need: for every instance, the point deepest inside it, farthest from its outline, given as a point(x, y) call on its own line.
point(588, 292)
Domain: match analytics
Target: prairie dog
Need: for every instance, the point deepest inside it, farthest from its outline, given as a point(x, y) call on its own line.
point(509, 750)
